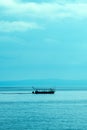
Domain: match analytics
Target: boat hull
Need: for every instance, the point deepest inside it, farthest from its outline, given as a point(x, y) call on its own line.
point(43, 92)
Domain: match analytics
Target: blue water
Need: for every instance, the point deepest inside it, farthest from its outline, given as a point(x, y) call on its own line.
point(65, 110)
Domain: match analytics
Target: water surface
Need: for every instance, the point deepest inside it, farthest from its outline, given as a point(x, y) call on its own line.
point(64, 110)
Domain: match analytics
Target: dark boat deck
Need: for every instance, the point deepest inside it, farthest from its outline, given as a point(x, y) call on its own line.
point(43, 91)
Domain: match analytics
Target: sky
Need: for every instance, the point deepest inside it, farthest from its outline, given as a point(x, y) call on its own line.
point(43, 39)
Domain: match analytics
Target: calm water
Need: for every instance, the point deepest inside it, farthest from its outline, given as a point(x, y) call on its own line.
point(65, 110)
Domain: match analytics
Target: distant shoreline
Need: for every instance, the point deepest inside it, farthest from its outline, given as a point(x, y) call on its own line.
point(30, 89)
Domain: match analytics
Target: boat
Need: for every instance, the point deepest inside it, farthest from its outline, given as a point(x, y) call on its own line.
point(43, 91)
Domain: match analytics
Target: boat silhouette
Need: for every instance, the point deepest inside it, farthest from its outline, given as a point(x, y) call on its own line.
point(43, 91)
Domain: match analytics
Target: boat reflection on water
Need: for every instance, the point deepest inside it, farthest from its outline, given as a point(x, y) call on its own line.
point(43, 91)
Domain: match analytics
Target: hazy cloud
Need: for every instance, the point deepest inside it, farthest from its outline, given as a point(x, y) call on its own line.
point(45, 9)
point(6, 26)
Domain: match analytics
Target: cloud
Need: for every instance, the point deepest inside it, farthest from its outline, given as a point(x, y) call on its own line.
point(6, 26)
point(17, 15)
point(7, 3)
point(45, 9)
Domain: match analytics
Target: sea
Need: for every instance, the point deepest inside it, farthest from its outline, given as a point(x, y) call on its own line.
point(64, 110)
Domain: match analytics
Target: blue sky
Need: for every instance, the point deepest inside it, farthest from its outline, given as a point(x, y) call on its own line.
point(43, 39)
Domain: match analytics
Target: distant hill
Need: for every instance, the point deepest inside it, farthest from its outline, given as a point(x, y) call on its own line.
point(46, 83)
